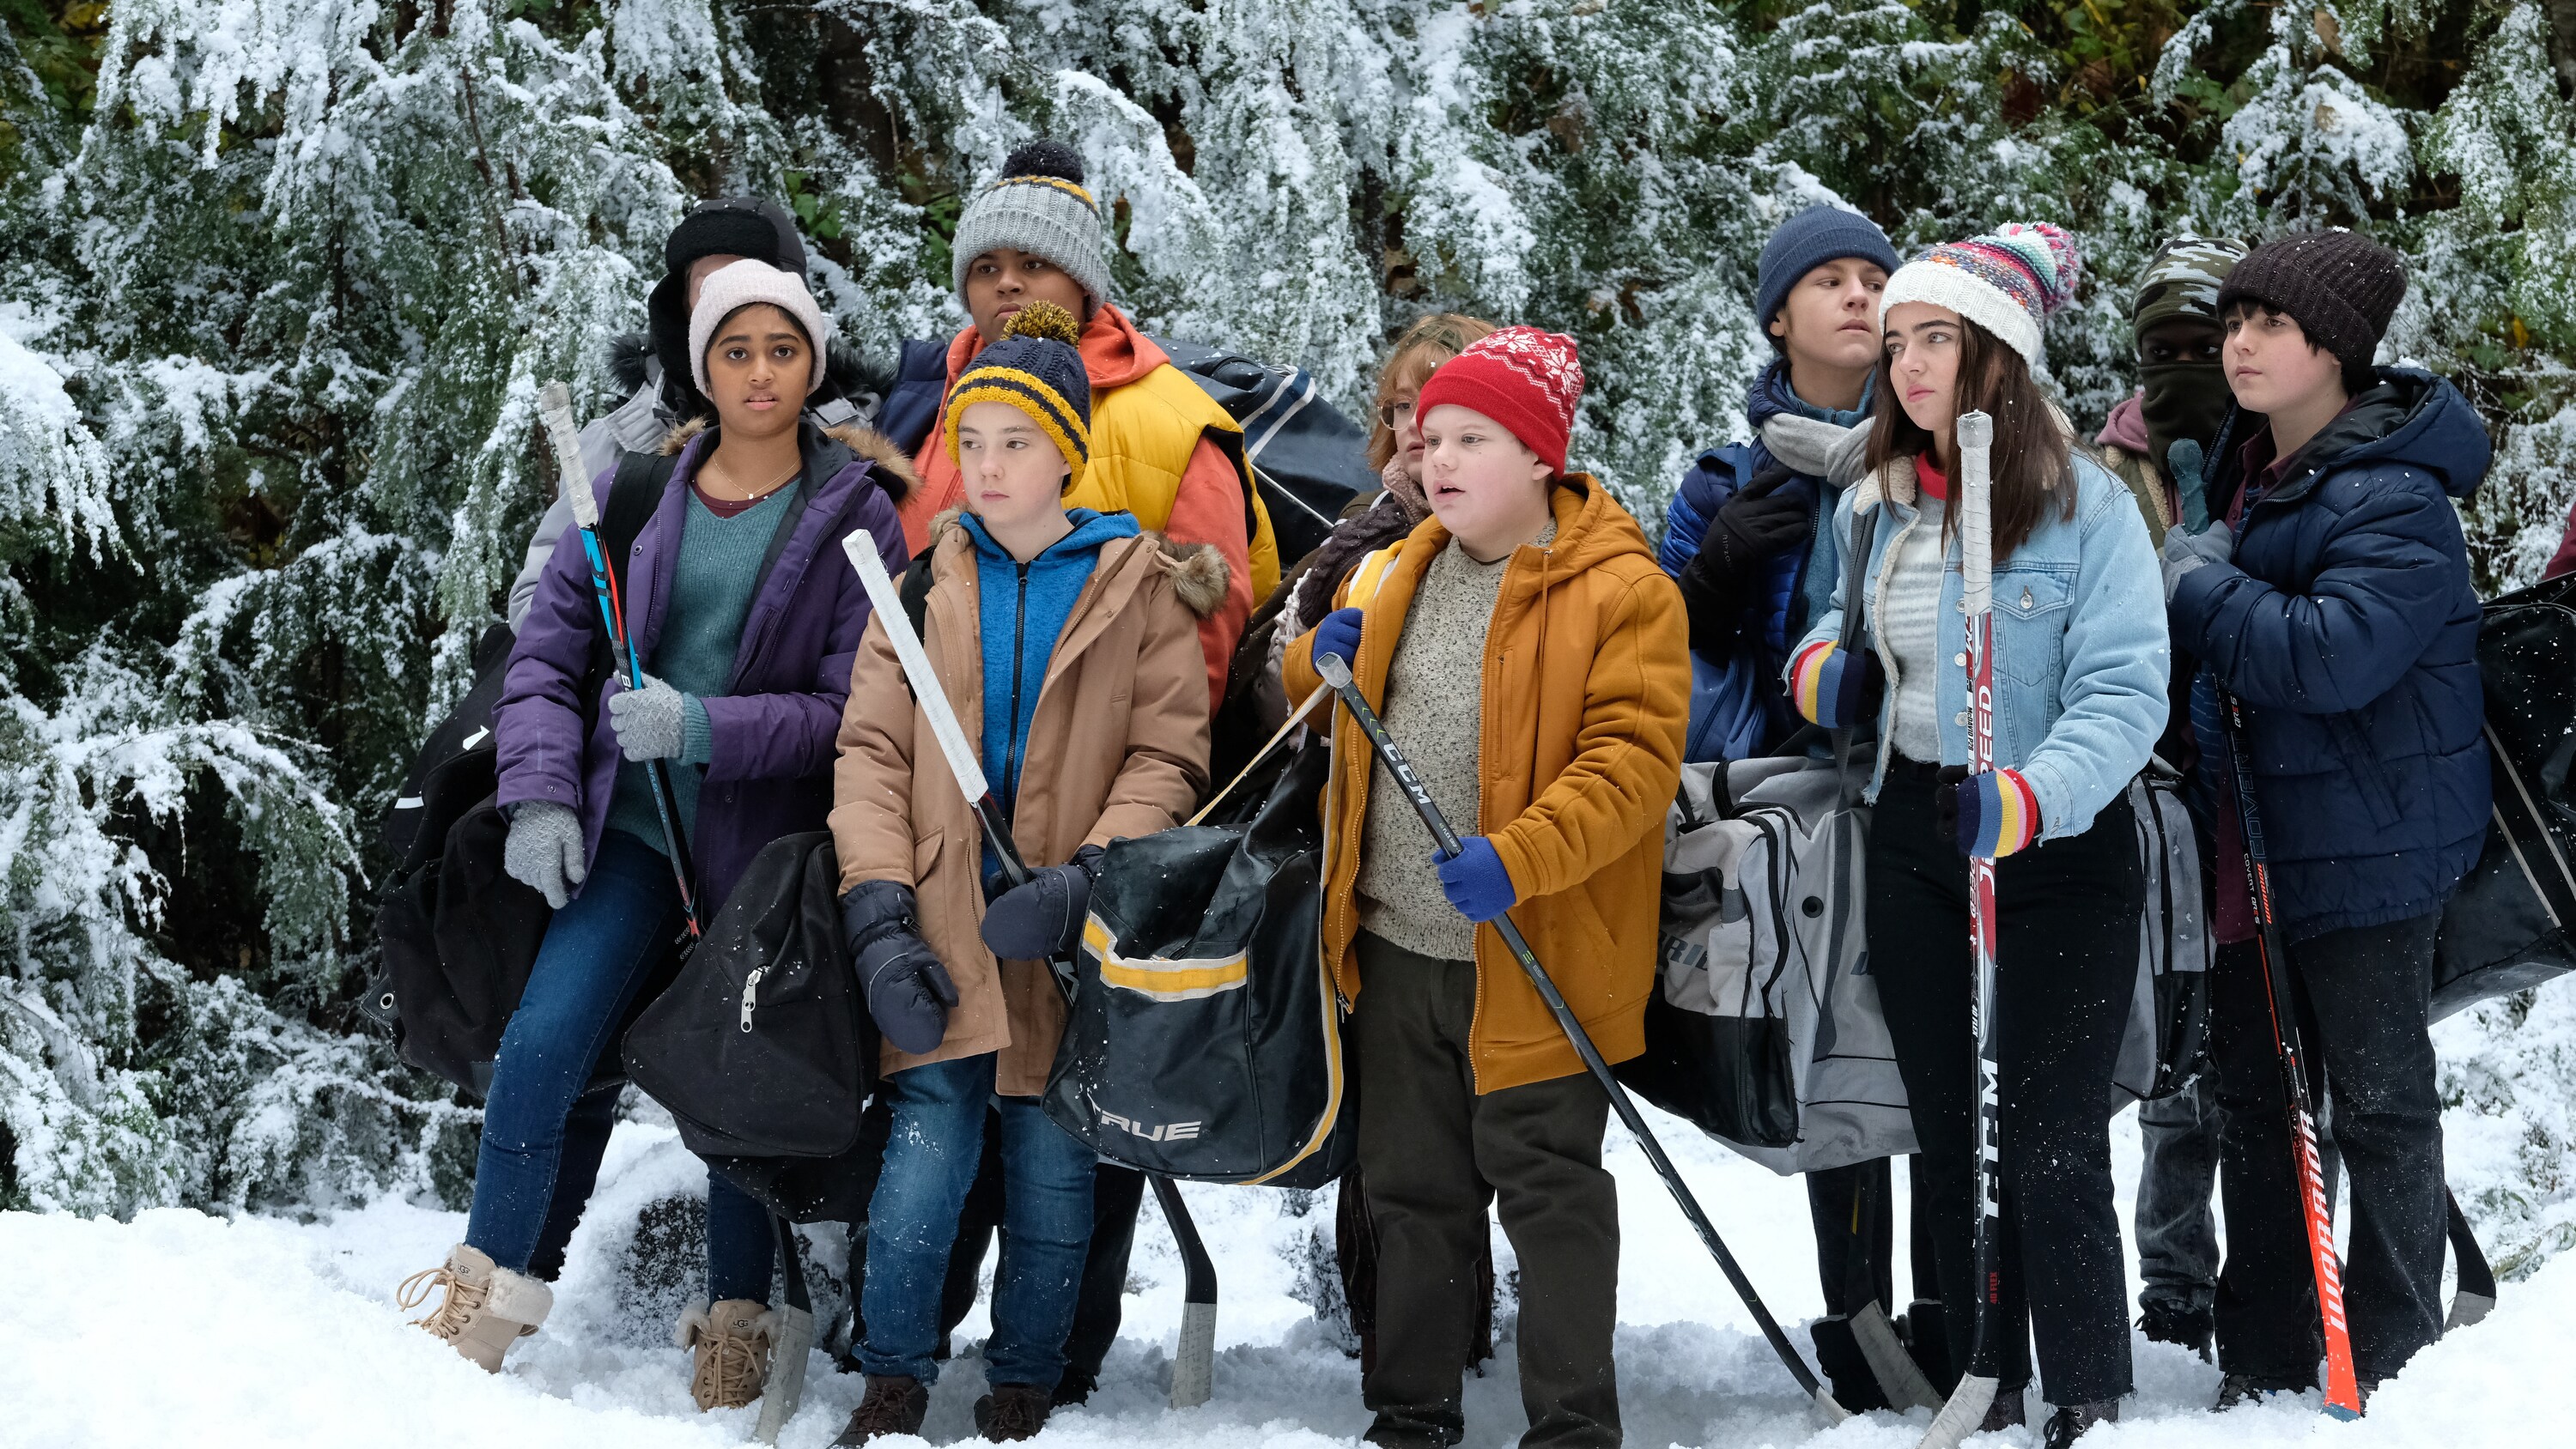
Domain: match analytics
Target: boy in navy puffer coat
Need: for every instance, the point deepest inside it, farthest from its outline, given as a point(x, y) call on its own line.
point(2335, 602)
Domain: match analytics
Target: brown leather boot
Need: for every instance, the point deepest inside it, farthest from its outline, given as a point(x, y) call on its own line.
point(487, 1307)
point(731, 1341)
point(1013, 1411)
point(893, 1404)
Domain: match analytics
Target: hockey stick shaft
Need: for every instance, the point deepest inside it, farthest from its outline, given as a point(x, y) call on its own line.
point(2343, 1388)
point(1337, 673)
point(554, 409)
point(1198, 1333)
point(1966, 1408)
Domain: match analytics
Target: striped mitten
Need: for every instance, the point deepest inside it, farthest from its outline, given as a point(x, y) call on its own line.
point(1829, 686)
point(1998, 814)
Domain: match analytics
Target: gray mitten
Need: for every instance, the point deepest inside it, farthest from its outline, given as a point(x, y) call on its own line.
point(2185, 552)
point(648, 722)
point(543, 851)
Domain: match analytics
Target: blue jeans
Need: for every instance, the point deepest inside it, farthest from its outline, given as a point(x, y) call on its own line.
point(930, 1161)
point(597, 953)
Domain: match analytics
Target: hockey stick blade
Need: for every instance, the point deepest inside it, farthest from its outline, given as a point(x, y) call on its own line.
point(1899, 1376)
point(1194, 1362)
point(1963, 1415)
point(786, 1390)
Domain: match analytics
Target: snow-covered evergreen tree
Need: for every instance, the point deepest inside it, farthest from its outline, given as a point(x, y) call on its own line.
point(278, 282)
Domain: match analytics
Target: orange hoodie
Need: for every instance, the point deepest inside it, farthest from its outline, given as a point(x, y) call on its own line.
point(1208, 508)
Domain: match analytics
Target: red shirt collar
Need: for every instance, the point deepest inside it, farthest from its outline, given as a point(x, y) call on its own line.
point(1930, 479)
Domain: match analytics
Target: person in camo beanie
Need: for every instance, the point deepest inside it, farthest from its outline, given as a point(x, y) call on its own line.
point(1038, 204)
point(2008, 281)
point(2339, 286)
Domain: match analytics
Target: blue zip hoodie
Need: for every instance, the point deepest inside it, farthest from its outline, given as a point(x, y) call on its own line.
point(1022, 608)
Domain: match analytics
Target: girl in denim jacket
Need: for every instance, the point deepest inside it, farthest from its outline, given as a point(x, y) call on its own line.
point(2080, 666)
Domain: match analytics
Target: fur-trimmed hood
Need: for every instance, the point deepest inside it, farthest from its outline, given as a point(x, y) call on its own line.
point(1198, 571)
point(894, 471)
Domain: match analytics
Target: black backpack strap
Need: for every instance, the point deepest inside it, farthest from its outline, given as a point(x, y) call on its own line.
point(914, 590)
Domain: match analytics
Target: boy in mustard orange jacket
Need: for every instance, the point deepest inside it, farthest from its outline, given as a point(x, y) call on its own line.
point(1530, 657)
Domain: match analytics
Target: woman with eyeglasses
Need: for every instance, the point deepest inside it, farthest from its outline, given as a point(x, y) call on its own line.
point(1255, 702)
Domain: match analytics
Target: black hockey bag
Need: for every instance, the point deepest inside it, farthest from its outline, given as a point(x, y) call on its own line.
point(762, 1049)
point(2512, 923)
point(1204, 1037)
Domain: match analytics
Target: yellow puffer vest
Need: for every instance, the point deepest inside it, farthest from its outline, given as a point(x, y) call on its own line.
point(1142, 435)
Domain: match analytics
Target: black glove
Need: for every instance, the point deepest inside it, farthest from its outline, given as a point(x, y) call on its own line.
point(1751, 527)
point(908, 991)
point(1041, 917)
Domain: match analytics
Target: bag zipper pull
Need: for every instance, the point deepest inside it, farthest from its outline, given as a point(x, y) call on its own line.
point(750, 990)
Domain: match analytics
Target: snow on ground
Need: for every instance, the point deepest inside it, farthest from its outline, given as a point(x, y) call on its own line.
point(179, 1328)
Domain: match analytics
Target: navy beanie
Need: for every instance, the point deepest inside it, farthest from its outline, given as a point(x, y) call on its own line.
point(1804, 242)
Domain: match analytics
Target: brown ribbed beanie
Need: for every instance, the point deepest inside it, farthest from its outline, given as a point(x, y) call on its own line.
point(2339, 286)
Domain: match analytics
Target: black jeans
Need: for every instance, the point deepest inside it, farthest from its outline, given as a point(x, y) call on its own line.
point(2364, 1004)
point(1434, 1154)
point(2066, 959)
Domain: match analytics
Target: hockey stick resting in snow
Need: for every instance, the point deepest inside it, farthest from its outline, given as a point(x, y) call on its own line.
point(554, 409)
point(1978, 1381)
point(1337, 673)
point(1194, 1365)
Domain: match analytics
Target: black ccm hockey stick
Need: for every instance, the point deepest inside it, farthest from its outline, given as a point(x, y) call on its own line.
point(1194, 1365)
point(1337, 673)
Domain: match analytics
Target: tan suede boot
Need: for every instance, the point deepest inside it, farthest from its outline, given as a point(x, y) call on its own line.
point(487, 1307)
point(731, 1343)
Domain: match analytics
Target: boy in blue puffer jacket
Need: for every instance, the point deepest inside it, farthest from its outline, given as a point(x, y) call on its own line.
point(2334, 600)
point(1745, 539)
point(1744, 535)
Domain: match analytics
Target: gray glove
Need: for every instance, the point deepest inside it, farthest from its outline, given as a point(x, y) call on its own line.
point(650, 723)
point(543, 851)
point(2187, 551)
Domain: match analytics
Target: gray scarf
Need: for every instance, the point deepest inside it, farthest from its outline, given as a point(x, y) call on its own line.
point(1817, 448)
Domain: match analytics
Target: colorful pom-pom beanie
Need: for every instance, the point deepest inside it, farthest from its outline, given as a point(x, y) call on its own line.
point(2007, 282)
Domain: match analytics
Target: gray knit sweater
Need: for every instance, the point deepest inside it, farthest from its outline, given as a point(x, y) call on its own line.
point(1435, 694)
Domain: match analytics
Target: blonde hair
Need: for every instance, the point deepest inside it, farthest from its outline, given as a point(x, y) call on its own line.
point(1418, 353)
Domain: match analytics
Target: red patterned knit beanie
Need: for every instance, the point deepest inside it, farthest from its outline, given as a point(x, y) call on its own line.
point(1523, 378)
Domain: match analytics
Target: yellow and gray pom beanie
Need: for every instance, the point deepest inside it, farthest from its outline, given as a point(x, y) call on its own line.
point(1038, 204)
point(1037, 369)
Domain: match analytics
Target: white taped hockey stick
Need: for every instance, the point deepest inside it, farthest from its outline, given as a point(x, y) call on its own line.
point(1975, 1394)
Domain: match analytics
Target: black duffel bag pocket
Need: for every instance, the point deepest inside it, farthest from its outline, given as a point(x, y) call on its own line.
point(761, 1047)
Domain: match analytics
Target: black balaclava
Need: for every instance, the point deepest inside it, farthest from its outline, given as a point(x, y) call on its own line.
point(2183, 399)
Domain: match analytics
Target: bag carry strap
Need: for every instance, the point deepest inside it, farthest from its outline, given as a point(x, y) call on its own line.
point(1855, 600)
point(1295, 716)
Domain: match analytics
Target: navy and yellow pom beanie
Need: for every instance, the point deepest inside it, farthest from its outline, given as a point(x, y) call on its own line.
point(1036, 368)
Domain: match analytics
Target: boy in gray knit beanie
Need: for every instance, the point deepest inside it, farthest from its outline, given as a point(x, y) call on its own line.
point(1039, 208)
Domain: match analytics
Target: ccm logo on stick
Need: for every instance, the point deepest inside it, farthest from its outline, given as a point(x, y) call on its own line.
point(1164, 1132)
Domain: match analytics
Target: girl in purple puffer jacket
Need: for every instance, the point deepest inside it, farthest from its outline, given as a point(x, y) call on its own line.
point(746, 621)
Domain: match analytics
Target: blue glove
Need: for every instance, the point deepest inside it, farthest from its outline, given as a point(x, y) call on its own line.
point(2185, 552)
point(1474, 880)
point(1339, 634)
point(1041, 917)
point(2183, 463)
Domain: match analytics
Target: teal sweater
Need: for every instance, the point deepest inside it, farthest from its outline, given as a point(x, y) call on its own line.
point(711, 587)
